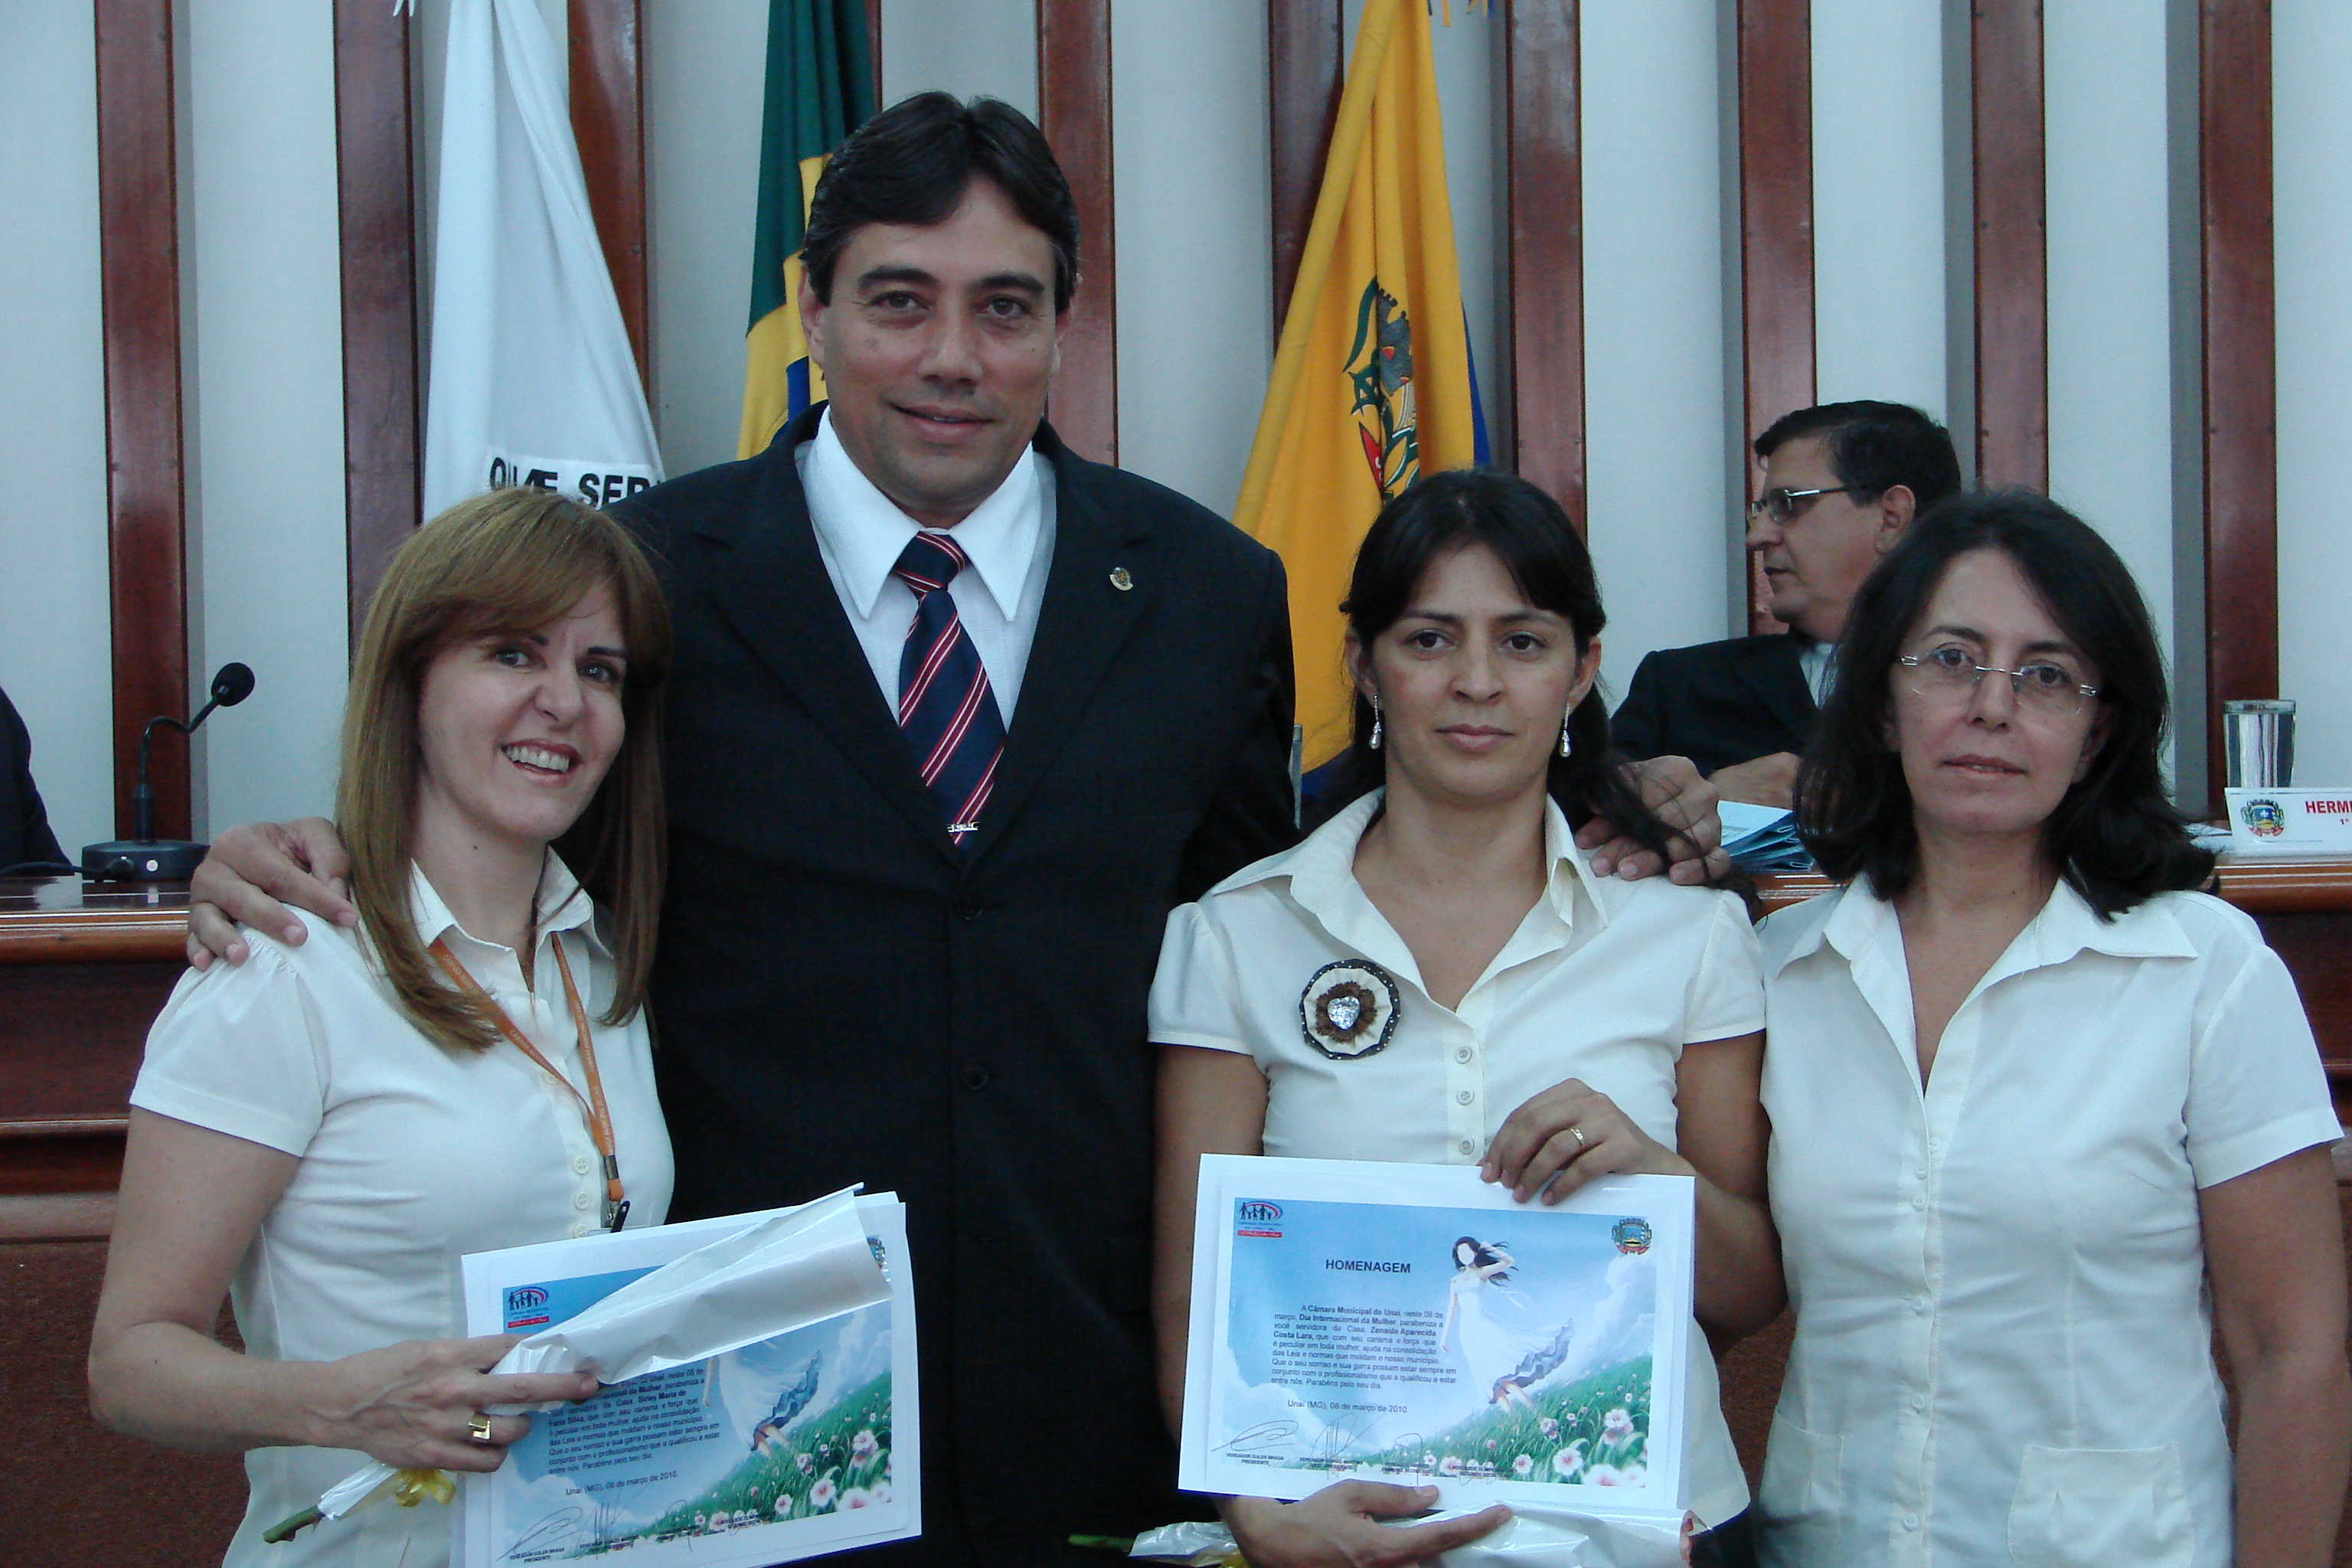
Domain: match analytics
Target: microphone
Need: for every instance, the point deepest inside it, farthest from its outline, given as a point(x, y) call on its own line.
point(144, 858)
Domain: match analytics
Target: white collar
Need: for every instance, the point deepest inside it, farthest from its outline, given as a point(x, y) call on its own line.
point(1321, 869)
point(864, 532)
point(561, 904)
point(1854, 920)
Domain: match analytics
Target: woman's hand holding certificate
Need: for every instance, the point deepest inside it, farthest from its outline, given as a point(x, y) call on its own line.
point(1339, 1527)
point(1567, 1135)
point(412, 1405)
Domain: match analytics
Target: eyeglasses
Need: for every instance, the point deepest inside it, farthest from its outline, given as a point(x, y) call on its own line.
point(1783, 504)
point(2048, 690)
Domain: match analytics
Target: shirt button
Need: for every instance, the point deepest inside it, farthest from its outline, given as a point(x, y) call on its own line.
point(1463, 1096)
point(1920, 1304)
point(579, 1200)
point(1920, 1172)
point(1918, 1200)
point(1463, 1053)
point(1469, 1146)
point(968, 912)
point(1918, 1403)
point(579, 1164)
point(973, 1076)
point(1910, 1521)
point(1933, 1145)
point(579, 1230)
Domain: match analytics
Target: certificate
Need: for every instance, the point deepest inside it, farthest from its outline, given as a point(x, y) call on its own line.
point(1412, 1324)
point(803, 1443)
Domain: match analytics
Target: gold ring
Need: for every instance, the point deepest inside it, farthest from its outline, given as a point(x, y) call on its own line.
point(1572, 1127)
point(478, 1428)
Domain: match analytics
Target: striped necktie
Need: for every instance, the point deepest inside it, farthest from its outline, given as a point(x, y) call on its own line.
point(945, 709)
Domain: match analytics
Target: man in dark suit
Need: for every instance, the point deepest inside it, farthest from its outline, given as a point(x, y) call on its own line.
point(919, 958)
point(1841, 481)
point(24, 836)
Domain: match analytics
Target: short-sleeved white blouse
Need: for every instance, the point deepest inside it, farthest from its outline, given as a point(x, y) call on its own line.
point(2003, 1347)
point(1604, 980)
point(413, 1154)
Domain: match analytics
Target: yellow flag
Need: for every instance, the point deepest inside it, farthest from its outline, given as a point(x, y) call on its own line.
point(1371, 383)
point(779, 377)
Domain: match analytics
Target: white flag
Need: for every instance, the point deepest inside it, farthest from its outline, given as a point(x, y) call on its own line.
point(533, 380)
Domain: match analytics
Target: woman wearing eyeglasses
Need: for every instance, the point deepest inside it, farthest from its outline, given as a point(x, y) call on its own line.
point(2030, 1096)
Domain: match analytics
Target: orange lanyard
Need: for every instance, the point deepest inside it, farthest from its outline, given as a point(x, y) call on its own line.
point(599, 1119)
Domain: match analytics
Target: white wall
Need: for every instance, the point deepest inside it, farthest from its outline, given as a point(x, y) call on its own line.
point(2312, 138)
point(1654, 319)
point(705, 66)
point(1195, 240)
point(262, 267)
point(54, 634)
point(2110, 289)
point(1878, 202)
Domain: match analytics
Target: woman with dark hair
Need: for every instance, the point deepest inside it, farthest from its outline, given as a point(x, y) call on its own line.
point(321, 1132)
point(1436, 975)
point(2043, 1117)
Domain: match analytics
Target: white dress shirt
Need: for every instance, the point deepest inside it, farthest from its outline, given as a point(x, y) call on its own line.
point(1815, 658)
point(2003, 1347)
point(413, 1154)
point(861, 533)
point(1604, 980)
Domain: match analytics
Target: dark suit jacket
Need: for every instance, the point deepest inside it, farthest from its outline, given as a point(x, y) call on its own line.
point(842, 995)
point(1719, 703)
point(24, 824)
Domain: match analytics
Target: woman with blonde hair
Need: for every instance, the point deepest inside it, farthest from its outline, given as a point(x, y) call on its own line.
point(321, 1133)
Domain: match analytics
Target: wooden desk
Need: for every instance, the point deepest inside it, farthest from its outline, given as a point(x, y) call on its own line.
point(84, 967)
point(2305, 908)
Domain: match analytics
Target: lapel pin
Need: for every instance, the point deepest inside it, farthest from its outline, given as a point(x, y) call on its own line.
point(1120, 580)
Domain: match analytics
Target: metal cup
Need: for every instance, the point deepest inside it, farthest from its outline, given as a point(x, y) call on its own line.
point(2258, 743)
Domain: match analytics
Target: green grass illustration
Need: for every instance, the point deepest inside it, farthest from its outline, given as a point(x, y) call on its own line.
point(1599, 1432)
point(838, 1459)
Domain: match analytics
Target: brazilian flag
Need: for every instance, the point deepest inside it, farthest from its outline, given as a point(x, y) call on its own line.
point(820, 88)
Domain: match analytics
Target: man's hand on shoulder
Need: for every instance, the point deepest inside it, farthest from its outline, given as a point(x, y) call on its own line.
point(1764, 781)
point(1672, 788)
point(250, 870)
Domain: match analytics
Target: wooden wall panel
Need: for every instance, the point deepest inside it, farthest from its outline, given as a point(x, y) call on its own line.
point(376, 205)
point(1776, 229)
point(138, 196)
point(608, 121)
point(2241, 394)
point(2012, 341)
point(1074, 104)
point(1305, 50)
point(1546, 176)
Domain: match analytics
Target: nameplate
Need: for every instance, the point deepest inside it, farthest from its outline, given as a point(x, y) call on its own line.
point(2290, 821)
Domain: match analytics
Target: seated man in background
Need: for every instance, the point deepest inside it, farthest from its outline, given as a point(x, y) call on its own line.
point(1842, 483)
point(24, 836)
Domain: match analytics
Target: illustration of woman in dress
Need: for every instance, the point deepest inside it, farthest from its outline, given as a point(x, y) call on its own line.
point(1510, 1362)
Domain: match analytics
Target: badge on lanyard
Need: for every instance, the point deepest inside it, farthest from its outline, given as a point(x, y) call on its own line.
point(1349, 1009)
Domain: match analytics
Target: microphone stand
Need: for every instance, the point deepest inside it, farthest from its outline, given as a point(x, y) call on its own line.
point(144, 858)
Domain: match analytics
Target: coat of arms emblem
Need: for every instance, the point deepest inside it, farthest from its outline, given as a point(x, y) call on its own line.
point(1379, 367)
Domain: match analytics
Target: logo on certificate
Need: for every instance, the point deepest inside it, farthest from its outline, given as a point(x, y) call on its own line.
point(1632, 1236)
point(1256, 1217)
point(526, 1308)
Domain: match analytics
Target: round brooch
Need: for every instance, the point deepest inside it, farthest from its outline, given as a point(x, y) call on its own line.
point(1349, 1009)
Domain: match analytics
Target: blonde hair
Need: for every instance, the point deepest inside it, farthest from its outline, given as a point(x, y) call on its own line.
point(509, 561)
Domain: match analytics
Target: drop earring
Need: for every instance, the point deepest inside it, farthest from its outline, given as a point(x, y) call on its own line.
point(1567, 742)
point(1376, 724)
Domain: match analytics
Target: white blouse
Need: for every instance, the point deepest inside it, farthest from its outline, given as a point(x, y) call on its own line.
point(413, 1154)
point(1604, 980)
point(2003, 1347)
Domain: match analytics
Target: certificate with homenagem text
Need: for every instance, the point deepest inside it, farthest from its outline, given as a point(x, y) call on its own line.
point(789, 1448)
point(1412, 1324)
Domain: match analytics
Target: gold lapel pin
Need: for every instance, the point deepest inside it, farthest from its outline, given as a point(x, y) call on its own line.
point(1120, 580)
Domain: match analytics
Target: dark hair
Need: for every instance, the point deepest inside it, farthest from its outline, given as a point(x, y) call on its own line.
point(911, 164)
point(1481, 1256)
point(1546, 559)
point(2116, 837)
point(1873, 446)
